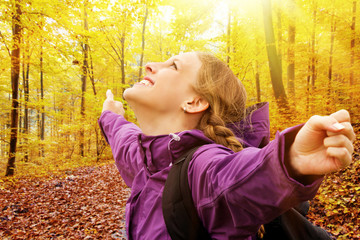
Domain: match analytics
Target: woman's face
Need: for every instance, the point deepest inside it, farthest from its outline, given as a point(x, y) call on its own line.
point(166, 85)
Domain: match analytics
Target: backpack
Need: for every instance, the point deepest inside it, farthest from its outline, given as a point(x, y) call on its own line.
point(183, 223)
point(180, 215)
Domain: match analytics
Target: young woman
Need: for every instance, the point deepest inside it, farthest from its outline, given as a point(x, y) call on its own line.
point(188, 101)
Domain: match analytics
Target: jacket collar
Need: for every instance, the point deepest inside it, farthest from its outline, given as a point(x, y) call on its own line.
point(161, 151)
point(254, 129)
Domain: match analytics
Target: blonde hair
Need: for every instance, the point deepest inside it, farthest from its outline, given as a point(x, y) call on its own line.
point(226, 97)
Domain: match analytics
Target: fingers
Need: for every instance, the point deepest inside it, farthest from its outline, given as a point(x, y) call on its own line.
point(338, 122)
point(339, 141)
point(346, 130)
point(109, 95)
point(342, 156)
point(341, 116)
point(320, 123)
point(111, 105)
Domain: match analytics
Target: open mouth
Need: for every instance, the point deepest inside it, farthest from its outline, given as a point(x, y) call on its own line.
point(146, 82)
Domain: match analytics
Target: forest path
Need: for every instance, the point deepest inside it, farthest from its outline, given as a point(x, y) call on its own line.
point(86, 203)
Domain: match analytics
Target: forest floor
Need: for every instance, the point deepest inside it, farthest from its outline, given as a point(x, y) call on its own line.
point(85, 203)
point(89, 203)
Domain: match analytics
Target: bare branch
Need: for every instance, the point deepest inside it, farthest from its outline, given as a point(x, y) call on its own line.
point(3, 140)
point(112, 46)
point(5, 44)
point(111, 56)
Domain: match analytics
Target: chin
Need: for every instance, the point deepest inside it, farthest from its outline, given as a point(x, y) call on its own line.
point(125, 94)
point(128, 94)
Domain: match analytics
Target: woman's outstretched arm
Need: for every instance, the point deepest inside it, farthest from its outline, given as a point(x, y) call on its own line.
point(122, 138)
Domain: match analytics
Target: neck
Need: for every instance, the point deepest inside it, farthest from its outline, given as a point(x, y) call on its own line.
point(160, 124)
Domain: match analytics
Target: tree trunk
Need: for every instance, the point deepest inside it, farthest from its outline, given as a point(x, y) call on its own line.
point(54, 132)
point(333, 29)
point(313, 59)
point(353, 92)
point(99, 139)
point(279, 33)
point(274, 61)
point(257, 73)
point(42, 121)
point(228, 37)
point(26, 66)
point(257, 81)
point(15, 72)
point(291, 51)
point(143, 43)
point(38, 121)
point(83, 81)
point(122, 61)
point(308, 80)
point(91, 73)
point(352, 44)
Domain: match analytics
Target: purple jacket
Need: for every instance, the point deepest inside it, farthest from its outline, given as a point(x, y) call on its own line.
point(234, 193)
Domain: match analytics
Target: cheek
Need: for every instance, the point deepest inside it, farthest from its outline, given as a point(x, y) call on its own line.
point(167, 99)
point(174, 91)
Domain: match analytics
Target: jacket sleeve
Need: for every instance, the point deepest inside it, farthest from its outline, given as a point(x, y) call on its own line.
point(247, 188)
point(122, 137)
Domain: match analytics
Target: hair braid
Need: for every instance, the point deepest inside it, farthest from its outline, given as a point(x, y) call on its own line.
point(226, 96)
point(214, 128)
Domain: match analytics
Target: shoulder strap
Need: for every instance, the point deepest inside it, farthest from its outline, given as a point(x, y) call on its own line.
point(180, 214)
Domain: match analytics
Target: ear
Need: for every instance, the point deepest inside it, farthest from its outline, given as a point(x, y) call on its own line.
point(196, 105)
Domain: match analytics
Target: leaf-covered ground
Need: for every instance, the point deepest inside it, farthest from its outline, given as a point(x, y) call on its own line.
point(337, 204)
point(89, 203)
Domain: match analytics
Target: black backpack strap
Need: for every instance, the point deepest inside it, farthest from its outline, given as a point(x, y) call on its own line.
point(180, 214)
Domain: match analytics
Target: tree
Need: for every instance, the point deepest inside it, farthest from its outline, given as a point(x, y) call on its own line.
point(274, 60)
point(26, 72)
point(84, 74)
point(117, 31)
point(279, 41)
point(352, 44)
point(331, 57)
point(15, 72)
point(228, 34)
point(313, 43)
point(42, 121)
point(66, 68)
point(143, 42)
point(352, 58)
point(291, 50)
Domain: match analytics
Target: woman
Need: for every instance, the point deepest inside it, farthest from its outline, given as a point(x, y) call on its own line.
point(188, 101)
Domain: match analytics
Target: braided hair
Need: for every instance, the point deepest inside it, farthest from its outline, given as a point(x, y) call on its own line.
point(226, 97)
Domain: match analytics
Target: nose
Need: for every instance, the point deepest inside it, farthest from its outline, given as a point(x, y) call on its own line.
point(150, 67)
point(153, 67)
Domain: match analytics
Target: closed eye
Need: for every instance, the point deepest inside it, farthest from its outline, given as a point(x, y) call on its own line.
point(174, 65)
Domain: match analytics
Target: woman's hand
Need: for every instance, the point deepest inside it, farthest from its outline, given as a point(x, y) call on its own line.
point(111, 105)
point(323, 145)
